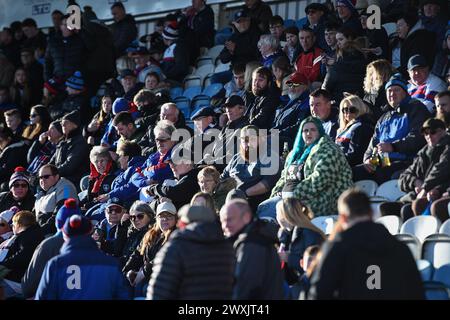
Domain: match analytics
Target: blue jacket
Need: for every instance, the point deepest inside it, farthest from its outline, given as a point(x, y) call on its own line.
point(110, 137)
point(122, 187)
point(302, 238)
point(159, 174)
point(401, 127)
point(82, 272)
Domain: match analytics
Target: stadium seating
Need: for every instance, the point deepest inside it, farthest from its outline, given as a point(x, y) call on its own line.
point(421, 227)
point(222, 67)
point(191, 92)
point(389, 190)
point(443, 275)
point(412, 242)
point(390, 28)
point(289, 23)
point(84, 183)
point(445, 228)
point(325, 223)
point(204, 60)
point(176, 92)
point(392, 223)
point(184, 105)
point(426, 269)
point(200, 101)
point(212, 90)
point(214, 52)
point(436, 249)
point(192, 80)
point(368, 186)
point(436, 291)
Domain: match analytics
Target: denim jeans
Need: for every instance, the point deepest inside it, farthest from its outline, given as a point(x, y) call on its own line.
point(267, 209)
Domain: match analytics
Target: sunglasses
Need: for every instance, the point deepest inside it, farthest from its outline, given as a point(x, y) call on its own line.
point(46, 176)
point(429, 132)
point(349, 110)
point(20, 185)
point(114, 210)
point(138, 216)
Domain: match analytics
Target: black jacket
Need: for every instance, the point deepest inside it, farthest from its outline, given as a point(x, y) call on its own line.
point(377, 102)
point(7, 201)
point(261, 111)
point(197, 263)
point(432, 166)
point(178, 68)
point(97, 135)
point(182, 192)
point(258, 270)
point(345, 268)
point(124, 32)
point(72, 157)
point(203, 25)
point(260, 14)
point(14, 155)
point(64, 56)
point(21, 251)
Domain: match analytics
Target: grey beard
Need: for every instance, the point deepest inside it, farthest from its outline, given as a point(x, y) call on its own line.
point(293, 96)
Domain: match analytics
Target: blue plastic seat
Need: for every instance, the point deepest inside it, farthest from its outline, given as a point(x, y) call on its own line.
point(184, 105)
point(301, 22)
point(191, 92)
point(213, 90)
point(176, 92)
point(289, 23)
point(199, 101)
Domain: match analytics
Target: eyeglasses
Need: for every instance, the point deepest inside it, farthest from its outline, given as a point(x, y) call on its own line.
point(45, 176)
point(311, 11)
point(276, 26)
point(34, 115)
point(138, 216)
point(162, 139)
point(349, 110)
point(166, 217)
point(114, 210)
point(429, 132)
point(293, 85)
point(20, 185)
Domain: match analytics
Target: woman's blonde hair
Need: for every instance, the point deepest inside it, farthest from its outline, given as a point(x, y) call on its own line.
point(208, 199)
point(297, 214)
point(209, 171)
point(351, 101)
point(377, 73)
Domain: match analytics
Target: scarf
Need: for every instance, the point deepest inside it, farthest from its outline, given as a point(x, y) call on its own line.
point(98, 178)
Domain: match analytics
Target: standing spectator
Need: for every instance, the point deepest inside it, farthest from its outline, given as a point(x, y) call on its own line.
point(259, 12)
point(194, 255)
point(72, 153)
point(317, 14)
point(377, 39)
point(441, 65)
point(397, 133)
point(20, 194)
point(261, 111)
point(305, 61)
point(57, 18)
point(47, 249)
point(423, 85)
point(13, 120)
point(100, 276)
point(321, 108)
point(34, 38)
point(55, 190)
point(35, 73)
point(201, 20)
point(16, 252)
point(13, 153)
point(355, 129)
point(331, 29)
point(292, 48)
point(433, 18)
point(176, 57)
point(39, 123)
point(443, 107)
point(348, 15)
point(258, 274)
point(124, 29)
point(342, 271)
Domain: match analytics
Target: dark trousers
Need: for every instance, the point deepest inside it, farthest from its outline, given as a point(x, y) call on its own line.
point(382, 174)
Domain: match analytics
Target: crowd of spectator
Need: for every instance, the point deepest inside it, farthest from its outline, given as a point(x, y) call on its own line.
point(103, 195)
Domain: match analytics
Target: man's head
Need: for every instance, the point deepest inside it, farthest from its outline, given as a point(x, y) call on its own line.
point(48, 176)
point(250, 139)
point(405, 22)
point(127, 79)
point(320, 104)
point(442, 101)
point(114, 211)
point(75, 84)
point(198, 5)
point(170, 111)
point(170, 34)
point(331, 29)
point(124, 124)
point(430, 8)
point(29, 28)
point(145, 100)
point(22, 220)
point(234, 216)
point(396, 90)
point(268, 45)
point(127, 150)
point(13, 119)
point(239, 75)
point(181, 166)
point(345, 9)
point(418, 69)
point(57, 18)
point(163, 136)
point(276, 26)
point(433, 130)
point(314, 12)
point(55, 132)
point(70, 122)
point(251, 3)
point(297, 84)
point(241, 21)
point(118, 11)
point(27, 56)
point(291, 36)
point(307, 38)
point(353, 206)
point(208, 178)
point(203, 118)
point(6, 36)
point(65, 31)
point(261, 80)
point(234, 107)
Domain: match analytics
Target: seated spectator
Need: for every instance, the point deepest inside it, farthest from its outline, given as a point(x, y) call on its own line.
point(39, 123)
point(144, 66)
point(72, 153)
point(101, 280)
point(320, 106)
point(185, 186)
point(347, 73)
point(276, 28)
point(315, 172)
point(305, 61)
point(355, 129)
point(106, 230)
point(331, 29)
point(101, 176)
point(289, 117)
point(20, 91)
point(156, 169)
point(441, 66)
point(259, 12)
point(317, 15)
point(423, 85)
point(35, 74)
point(433, 17)
point(129, 83)
point(268, 46)
point(300, 289)
point(203, 199)
point(47, 249)
point(297, 233)
point(5, 100)
point(153, 82)
point(257, 272)
point(411, 39)
point(148, 105)
point(124, 29)
point(20, 194)
point(292, 48)
point(249, 165)
point(6, 231)
point(176, 57)
point(442, 101)
point(42, 150)
point(397, 134)
point(54, 93)
point(13, 120)
point(427, 178)
point(348, 15)
point(344, 35)
point(95, 130)
point(237, 85)
point(13, 153)
point(261, 111)
point(55, 190)
point(124, 124)
point(333, 279)
point(16, 252)
point(183, 276)
point(111, 137)
point(34, 37)
point(139, 266)
point(281, 69)
point(209, 181)
point(377, 40)
point(378, 73)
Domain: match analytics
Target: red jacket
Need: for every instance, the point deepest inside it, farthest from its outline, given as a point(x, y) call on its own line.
point(304, 64)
